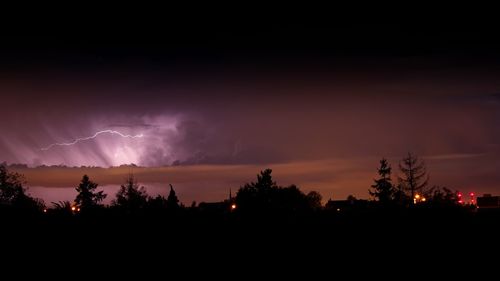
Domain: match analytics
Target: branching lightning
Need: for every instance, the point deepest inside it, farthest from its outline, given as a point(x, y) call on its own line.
point(92, 137)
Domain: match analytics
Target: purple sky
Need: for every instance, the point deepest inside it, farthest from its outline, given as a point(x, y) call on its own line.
point(321, 119)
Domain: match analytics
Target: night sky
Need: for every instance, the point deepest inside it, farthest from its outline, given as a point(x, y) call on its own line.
point(205, 104)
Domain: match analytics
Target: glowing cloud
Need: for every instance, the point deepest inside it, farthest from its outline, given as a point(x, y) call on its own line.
point(92, 137)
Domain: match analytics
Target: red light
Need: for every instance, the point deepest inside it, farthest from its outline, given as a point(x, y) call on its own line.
point(471, 194)
point(460, 201)
point(459, 194)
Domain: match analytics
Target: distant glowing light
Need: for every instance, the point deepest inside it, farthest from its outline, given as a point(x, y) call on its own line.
point(45, 210)
point(419, 198)
point(338, 209)
point(113, 132)
point(233, 206)
point(73, 208)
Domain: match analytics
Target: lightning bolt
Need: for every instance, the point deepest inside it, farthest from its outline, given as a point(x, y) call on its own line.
point(92, 137)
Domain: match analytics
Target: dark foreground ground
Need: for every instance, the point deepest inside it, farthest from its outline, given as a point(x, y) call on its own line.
point(213, 244)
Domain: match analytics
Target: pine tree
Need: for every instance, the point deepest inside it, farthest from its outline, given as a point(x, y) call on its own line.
point(383, 189)
point(172, 200)
point(87, 197)
point(131, 196)
point(414, 178)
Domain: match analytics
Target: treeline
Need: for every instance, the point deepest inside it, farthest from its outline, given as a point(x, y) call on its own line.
point(412, 186)
point(131, 196)
point(263, 197)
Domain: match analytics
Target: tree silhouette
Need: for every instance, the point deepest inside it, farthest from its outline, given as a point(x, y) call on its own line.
point(158, 202)
point(399, 195)
point(87, 196)
point(266, 196)
point(12, 192)
point(62, 208)
point(383, 190)
point(62, 205)
point(131, 196)
point(172, 200)
point(28, 203)
point(11, 186)
point(314, 200)
point(289, 200)
point(414, 178)
point(441, 196)
point(257, 195)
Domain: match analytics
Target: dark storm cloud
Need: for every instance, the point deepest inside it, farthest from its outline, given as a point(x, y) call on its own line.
point(235, 119)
